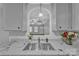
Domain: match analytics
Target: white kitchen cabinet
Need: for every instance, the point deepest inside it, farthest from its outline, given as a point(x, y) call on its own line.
point(1, 16)
point(75, 16)
point(63, 16)
point(13, 16)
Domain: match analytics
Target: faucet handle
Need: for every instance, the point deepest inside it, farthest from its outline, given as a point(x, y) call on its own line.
point(46, 39)
point(39, 39)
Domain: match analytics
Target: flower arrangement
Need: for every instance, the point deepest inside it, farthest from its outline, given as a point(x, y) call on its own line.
point(69, 36)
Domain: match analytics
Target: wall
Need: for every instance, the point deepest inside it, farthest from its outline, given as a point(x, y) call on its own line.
point(53, 35)
point(4, 35)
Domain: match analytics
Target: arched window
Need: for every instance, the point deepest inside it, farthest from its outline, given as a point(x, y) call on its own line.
point(39, 20)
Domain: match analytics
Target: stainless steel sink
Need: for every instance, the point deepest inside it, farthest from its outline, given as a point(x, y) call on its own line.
point(46, 46)
point(40, 46)
point(30, 46)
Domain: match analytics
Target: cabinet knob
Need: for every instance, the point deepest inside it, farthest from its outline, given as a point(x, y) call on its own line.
point(18, 27)
point(60, 27)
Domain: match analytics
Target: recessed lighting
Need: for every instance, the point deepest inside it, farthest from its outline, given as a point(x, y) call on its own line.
point(40, 14)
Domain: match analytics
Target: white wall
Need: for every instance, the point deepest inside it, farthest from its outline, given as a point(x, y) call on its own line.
point(4, 35)
point(52, 27)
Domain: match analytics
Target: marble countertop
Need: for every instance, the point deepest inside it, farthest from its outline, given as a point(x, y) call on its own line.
point(15, 47)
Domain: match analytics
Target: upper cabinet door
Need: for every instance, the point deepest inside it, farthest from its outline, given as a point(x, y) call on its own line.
point(63, 16)
point(75, 16)
point(13, 16)
point(1, 15)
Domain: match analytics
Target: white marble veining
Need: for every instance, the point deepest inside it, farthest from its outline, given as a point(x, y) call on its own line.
point(15, 47)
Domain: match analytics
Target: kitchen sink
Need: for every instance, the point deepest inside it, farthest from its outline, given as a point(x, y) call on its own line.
point(46, 46)
point(40, 46)
point(30, 46)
